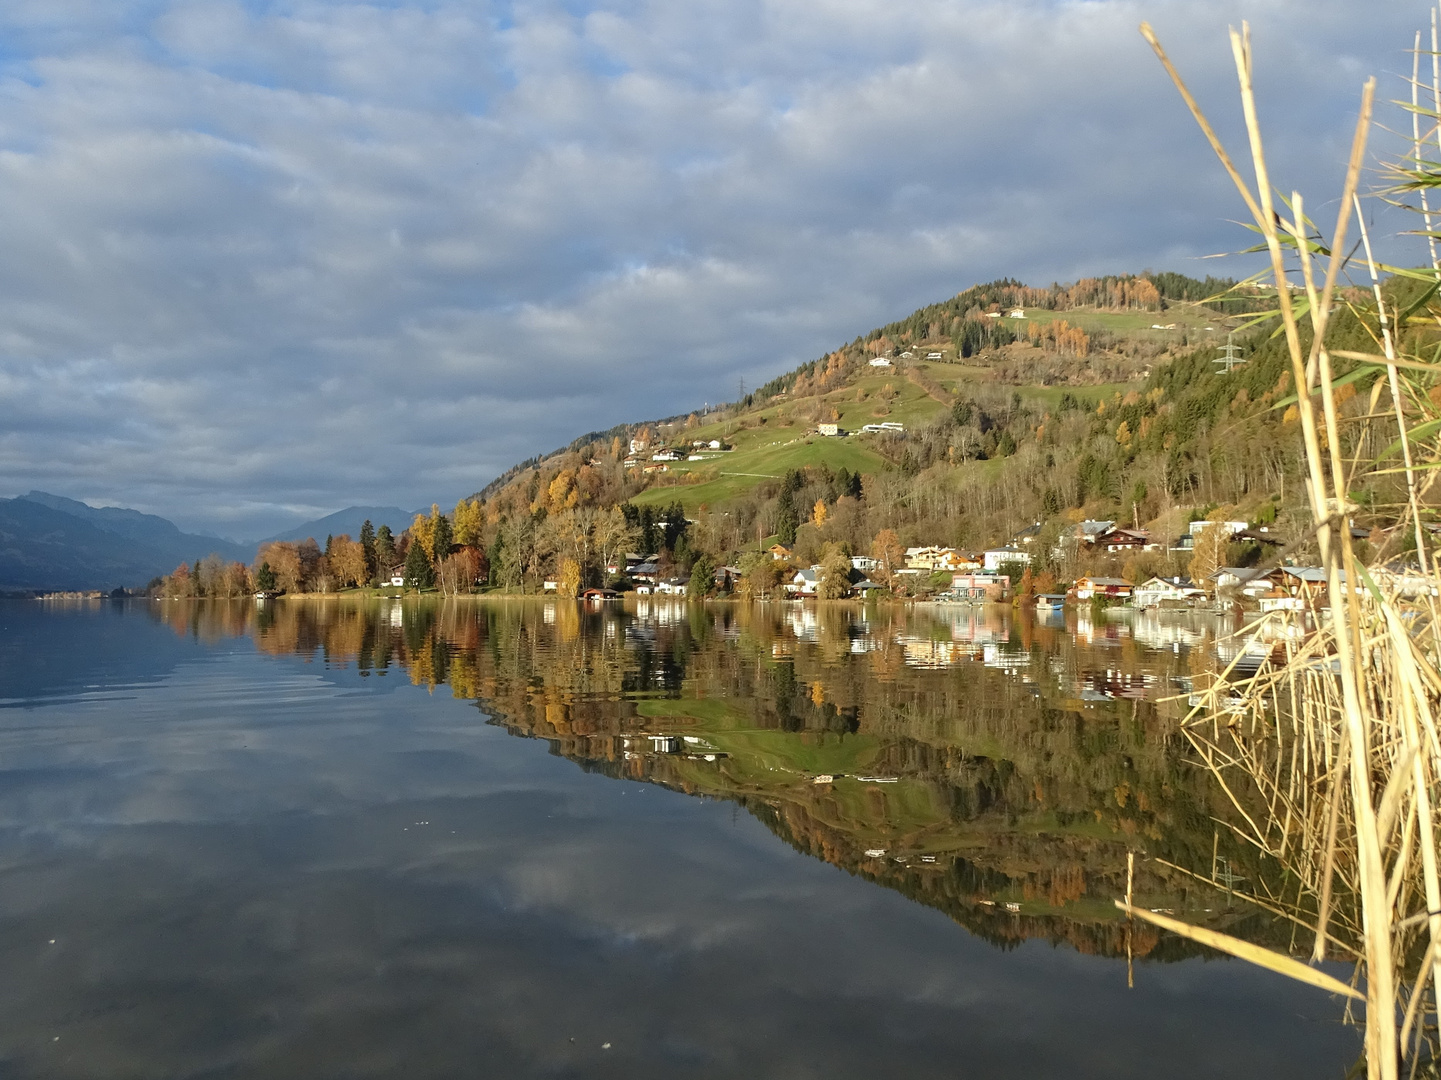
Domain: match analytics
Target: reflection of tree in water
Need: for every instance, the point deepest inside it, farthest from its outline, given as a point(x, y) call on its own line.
point(1010, 769)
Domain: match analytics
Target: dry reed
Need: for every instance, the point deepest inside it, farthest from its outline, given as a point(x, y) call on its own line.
point(1329, 753)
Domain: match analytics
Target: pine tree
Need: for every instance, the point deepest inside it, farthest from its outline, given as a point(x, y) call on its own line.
point(441, 537)
point(419, 574)
point(367, 545)
point(384, 551)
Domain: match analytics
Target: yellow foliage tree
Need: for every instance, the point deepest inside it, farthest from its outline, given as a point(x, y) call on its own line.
point(468, 522)
point(818, 513)
point(422, 531)
point(568, 581)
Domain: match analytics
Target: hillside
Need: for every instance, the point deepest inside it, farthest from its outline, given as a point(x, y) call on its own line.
point(1099, 399)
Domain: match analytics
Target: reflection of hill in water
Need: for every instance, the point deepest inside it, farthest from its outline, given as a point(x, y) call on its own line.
point(989, 767)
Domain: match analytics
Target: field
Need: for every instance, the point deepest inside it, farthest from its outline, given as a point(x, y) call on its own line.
point(781, 436)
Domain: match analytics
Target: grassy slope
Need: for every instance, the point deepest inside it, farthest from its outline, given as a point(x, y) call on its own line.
point(779, 440)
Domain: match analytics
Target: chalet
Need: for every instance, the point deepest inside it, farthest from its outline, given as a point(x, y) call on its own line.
point(1161, 592)
point(549, 586)
point(714, 444)
point(666, 455)
point(673, 586)
point(1016, 313)
point(1276, 600)
point(864, 563)
point(397, 576)
point(933, 356)
point(779, 552)
point(1110, 588)
point(638, 446)
point(1305, 581)
point(805, 583)
point(1119, 539)
point(1249, 581)
point(972, 586)
point(726, 577)
point(937, 558)
point(1089, 532)
point(995, 558)
point(1027, 536)
point(831, 430)
point(600, 594)
point(647, 572)
point(880, 361)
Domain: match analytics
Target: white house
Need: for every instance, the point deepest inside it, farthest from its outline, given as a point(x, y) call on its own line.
point(665, 455)
point(828, 429)
point(637, 446)
point(864, 563)
point(673, 587)
point(805, 583)
point(1159, 590)
point(397, 576)
point(933, 356)
point(995, 558)
point(1016, 313)
point(880, 361)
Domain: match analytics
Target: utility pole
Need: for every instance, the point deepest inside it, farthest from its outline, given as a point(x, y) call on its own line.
point(1230, 354)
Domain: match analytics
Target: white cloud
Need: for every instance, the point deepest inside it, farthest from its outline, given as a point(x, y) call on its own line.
point(306, 254)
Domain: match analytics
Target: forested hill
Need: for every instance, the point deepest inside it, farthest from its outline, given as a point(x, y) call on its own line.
point(964, 422)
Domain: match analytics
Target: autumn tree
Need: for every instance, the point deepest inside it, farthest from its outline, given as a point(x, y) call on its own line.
point(283, 558)
point(1209, 553)
point(835, 573)
point(568, 579)
point(469, 520)
point(348, 564)
point(886, 549)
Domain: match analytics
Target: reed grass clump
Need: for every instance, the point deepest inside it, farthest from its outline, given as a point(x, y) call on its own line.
point(1329, 751)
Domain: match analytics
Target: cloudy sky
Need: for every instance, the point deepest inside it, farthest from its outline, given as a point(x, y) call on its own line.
point(259, 261)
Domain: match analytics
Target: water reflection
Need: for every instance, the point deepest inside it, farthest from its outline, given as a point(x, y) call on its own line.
point(990, 765)
point(268, 840)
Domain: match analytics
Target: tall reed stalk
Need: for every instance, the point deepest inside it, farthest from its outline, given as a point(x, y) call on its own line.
point(1330, 753)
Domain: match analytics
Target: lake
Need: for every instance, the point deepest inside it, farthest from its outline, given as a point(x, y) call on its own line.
point(526, 838)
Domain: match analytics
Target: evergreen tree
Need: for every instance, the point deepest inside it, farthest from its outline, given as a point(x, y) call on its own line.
point(367, 545)
point(444, 538)
point(384, 551)
point(419, 574)
point(265, 578)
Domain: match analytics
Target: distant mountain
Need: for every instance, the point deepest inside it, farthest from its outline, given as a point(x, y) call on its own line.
point(348, 522)
point(50, 542)
point(157, 533)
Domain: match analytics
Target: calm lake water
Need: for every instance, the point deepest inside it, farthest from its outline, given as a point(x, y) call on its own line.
point(519, 839)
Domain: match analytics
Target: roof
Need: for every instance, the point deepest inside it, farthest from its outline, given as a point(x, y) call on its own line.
point(1241, 573)
point(1109, 582)
point(1309, 573)
point(810, 575)
point(1094, 528)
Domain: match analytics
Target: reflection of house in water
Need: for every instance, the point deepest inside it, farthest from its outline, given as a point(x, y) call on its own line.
point(925, 653)
point(1114, 683)
point(997, 655)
